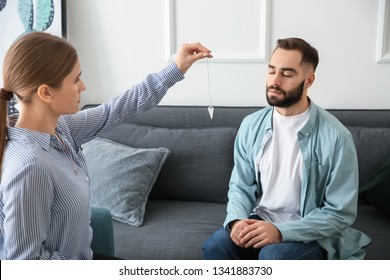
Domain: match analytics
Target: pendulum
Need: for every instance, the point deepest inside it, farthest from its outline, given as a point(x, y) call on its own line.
point(210, 108)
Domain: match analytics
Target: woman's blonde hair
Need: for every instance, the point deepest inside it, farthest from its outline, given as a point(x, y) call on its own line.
point(34, 59)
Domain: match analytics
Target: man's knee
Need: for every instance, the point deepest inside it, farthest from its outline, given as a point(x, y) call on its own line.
point(292, 251)
point(273, 252)
point(216, 244)
point(218, 237)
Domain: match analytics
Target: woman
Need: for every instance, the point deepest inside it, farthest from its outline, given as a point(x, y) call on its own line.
point(44, 193)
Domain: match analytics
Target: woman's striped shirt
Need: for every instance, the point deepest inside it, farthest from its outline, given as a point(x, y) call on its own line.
point(44, 189)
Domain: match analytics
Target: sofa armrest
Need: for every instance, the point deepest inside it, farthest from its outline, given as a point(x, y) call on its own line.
point(103, 232)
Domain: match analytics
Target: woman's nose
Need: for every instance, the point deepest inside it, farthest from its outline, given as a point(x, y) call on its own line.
point(82, 87)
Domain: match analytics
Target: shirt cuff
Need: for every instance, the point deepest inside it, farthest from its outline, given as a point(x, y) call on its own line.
point(171, 74)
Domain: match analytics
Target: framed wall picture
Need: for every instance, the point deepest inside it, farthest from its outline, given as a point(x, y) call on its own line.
point(383, 37)
point(20, 16)
point(238, 40)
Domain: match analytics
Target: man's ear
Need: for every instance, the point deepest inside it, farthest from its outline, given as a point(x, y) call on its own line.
point(310, 79)
point(44, 93)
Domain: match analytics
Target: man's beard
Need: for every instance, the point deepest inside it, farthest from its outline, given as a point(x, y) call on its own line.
point(289, 98)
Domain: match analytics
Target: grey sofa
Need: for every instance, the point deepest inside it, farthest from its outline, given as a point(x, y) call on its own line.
point(188, 200)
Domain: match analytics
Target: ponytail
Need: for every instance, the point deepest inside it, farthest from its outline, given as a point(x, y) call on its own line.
point(5, 97)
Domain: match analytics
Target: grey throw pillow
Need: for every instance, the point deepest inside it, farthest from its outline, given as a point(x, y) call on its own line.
point(121, 177)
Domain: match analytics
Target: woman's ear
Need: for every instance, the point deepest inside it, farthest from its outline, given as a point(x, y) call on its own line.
point(44, 93)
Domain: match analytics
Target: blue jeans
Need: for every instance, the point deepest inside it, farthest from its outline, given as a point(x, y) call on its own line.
point(219, 246)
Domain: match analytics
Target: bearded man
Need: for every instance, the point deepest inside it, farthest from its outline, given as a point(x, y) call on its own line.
point(294, 186)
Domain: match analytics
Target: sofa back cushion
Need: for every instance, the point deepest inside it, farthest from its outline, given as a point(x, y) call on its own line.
point(373, 149)
point(371, 133)
point(200, 162)
point(201, 158)
point(199, 165)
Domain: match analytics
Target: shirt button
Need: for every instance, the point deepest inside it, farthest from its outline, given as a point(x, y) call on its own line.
point(87, 179)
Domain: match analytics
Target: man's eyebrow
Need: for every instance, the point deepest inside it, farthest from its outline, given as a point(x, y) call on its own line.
point(283, 68)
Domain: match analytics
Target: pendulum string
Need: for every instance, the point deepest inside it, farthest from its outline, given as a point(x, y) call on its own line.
point(210, 108)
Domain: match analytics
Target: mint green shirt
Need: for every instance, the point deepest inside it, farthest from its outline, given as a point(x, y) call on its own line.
point(330, 182)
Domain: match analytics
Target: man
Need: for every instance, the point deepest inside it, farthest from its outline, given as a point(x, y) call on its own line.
point(294, 186)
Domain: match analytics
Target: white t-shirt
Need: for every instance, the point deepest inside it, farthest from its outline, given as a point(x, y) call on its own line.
point(281, 170)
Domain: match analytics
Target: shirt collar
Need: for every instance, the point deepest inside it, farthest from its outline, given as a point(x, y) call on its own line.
point(41, 139)
point(308, 127)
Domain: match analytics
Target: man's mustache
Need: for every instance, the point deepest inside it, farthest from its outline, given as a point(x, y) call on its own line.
point(277, 89)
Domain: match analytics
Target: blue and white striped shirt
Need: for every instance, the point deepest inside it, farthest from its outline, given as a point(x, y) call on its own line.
point(44, 190)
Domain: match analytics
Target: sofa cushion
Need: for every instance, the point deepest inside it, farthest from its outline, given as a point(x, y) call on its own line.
point(377, 189)
point(373, 148)
point(370, 221)
point(122, 177)
point(199, 165)
point(173, 230)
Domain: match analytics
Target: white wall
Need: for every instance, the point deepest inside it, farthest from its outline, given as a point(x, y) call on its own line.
point(121, 41)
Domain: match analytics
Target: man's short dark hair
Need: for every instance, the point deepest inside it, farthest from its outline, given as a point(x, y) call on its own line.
point(309, 54)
